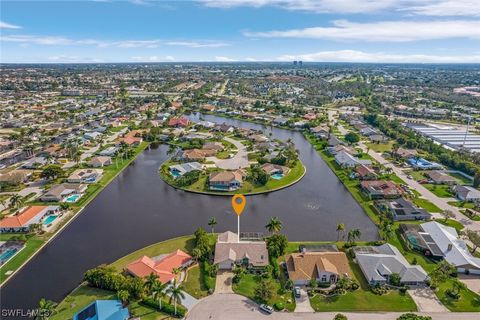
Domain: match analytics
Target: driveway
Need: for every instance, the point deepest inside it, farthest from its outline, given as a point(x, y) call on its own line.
point(303, 303)
point(236, 307)
point(223, 282)
point(472, 282)
point(238, 161)
point(426, 300)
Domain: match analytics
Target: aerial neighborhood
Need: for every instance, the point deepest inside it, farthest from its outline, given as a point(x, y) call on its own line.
point(362, 196)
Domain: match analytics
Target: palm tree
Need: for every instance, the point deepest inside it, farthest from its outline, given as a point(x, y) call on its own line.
point(158, 292)
point(123, 296)
point(46, 309)
point(353, 234)
point(176, 294)
point(274, 225)
point(212, 223)
point(150, 281)
point(340, 229)
point(16, 200)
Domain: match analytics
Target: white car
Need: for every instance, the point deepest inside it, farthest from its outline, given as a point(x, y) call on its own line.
point(266, 308)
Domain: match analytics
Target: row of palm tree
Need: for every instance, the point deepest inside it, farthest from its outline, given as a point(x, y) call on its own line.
point(352, 235)
point(159, 290)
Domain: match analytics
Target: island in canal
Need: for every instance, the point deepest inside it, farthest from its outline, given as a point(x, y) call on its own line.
point(222, 159)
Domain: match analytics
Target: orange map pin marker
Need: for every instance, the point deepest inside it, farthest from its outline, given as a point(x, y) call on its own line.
point(238, 203)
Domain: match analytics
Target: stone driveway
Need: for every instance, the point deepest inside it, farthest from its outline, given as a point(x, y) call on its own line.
point(426, 300)
point(223, 283)
point(303, 303)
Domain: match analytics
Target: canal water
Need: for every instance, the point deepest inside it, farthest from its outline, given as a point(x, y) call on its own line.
point(138, 209)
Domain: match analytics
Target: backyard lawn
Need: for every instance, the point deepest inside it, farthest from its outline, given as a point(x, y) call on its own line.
point(31, 246)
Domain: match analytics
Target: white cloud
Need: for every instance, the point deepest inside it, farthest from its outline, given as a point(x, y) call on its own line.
point(417, 7)
point(64, 41)
point(377, 57)
point(72, 59)
point(224, 59)
point(388, 31)
point(446, 8)
point(152, 58)
point(319, 6)
point(4, 25)
point(194, 44)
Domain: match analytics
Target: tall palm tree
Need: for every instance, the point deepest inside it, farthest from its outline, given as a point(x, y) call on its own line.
point(150, 281)
point(274, 225)
point(46, 308)
point(15, 200)
point(353, 234)
point(212, 223)
point(340, 229)
point(158, 292)
point(176, 294)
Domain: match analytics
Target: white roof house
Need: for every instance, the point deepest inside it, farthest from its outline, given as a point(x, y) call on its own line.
point(454, 250)
point(345, 159)
point(466, 193)
point(183, 168)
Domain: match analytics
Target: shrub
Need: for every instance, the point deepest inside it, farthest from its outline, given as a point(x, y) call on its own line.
point(379, 289)
point(413, 316)
point(166, 307)
point(279, 306)
point(340, 316)
point(452, 294)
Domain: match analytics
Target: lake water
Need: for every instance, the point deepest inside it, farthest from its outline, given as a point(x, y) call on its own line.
point(138, 209)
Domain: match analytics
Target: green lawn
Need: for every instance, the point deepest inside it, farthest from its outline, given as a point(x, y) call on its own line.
point(417, 175)
point(461, 204)
point(425, 204)
point(440, 190)
point(380, 147)
point(461, 178)
point(195, 283)
point(31, 246)
point(363, 299)
point(451, 223)
point(469, 301)
point(248, 283)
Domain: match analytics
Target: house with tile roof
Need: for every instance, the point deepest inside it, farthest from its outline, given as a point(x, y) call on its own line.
point(226, 180)
point(21, 221)
point(230, 252)
point(380, 189)
point(326, 267)
point(162, 265)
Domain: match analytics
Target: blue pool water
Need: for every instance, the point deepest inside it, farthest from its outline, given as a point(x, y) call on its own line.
point(72, 198)
point(175, 174)
point(49, 220)
point(92, 179)
point(7, 254)
point(277, 176)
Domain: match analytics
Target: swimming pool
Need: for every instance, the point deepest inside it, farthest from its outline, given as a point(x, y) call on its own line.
point(7, 254)
point(277, 176)
point(175, 174)
point(49, 219)
point(72, 198)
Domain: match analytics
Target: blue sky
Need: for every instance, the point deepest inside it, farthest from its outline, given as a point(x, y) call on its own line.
point(240, 30)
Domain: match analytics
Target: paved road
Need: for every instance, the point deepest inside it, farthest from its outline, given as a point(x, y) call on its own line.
point(236, 307)
point(239, 160)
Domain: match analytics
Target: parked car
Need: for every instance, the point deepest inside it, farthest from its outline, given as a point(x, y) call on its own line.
point(296, 291)
point(266, 308)
point(409, 177)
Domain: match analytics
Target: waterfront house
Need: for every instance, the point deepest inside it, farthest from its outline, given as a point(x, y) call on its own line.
point(230, 252)
point(401, 210)
point(34, 163)
point(180, 169)
point(272, 169)
point(60, 192)
point(197, 154)
point(226, 180)
point(22, 220)
point(108, 152)
point(334, 141)
point(325, 267)
point(378, 263)
point(162, 265)
point(100, 161)
point(103, 310)
point(321, 131)
point(466, 193)
point(217, 146)
point(364, 172)
point(380, 189)
point(346, 160)
point(439, 241)
point(338, 148)
point(85, 176)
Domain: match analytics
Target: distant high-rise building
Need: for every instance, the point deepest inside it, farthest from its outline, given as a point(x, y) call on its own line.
point(300, 63)
point(295, 62)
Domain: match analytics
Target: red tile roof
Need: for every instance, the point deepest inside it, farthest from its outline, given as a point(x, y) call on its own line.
point(21, 220)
